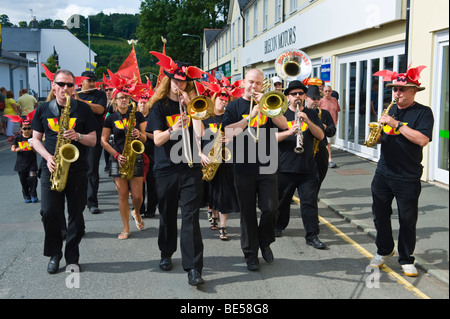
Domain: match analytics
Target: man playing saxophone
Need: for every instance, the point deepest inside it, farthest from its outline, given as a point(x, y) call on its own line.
point(407, 128)
point(81, 132)
point(298, 171)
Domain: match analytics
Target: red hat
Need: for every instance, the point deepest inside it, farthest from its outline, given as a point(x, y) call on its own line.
point(178, 70)
point(223, 88)
point(408, 79)
point(143, 92)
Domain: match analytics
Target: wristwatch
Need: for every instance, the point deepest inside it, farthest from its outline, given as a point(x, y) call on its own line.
point(80, 137)
point(400, 124)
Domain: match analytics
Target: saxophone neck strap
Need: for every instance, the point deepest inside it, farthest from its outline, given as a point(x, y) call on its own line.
point(53, 106)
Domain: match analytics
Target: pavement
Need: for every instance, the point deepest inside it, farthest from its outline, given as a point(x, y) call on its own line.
point(346, 191)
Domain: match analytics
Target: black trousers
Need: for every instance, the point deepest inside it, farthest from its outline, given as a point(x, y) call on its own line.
point(185, 187)
point(306, 185)
point(407, 195)
point(52, 211)
point(322, 163)
point(149, 192)
point(250, 189)
point(29, 182)
point(94, 155)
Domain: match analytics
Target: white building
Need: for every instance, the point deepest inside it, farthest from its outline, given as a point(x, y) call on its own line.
point(36, 46)
point(347, 41)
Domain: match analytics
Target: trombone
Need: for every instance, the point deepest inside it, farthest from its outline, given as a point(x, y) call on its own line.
point(272, 104)
point(185, 136)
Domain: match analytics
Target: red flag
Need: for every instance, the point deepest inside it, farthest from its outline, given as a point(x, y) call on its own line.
point(129, 69)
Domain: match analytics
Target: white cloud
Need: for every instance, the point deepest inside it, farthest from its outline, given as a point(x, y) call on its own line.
point(19, 10)
point(66, 13)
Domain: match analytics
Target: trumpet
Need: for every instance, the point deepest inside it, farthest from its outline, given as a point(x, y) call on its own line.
point(186, 137)
point(299, 135)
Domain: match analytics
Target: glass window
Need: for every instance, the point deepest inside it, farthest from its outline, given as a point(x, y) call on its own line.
point(443, 157)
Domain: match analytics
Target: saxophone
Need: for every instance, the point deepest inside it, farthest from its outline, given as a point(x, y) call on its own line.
point(376, 128)
point(316, 141)
point(132, 147)
point(218, 153)
point(65, 152)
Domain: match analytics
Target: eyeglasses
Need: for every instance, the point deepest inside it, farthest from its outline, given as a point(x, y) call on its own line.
point(63, 84)
point(395, 89)
point(26, 128)
point(297, 93)
point(123, 98)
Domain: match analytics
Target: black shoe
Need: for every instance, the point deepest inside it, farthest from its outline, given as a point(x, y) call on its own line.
point(95, 210)
point(165, 263)
point(267, 254)
point(195, 278)
point(53, 264)
point(315, 242)
point(253, 265)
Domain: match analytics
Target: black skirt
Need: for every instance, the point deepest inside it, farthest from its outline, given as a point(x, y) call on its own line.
point(222, 192)
point(138, 167)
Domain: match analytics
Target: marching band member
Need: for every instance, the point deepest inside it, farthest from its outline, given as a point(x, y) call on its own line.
point(313, 97)
point(178, 183)
point(254, 179)
point(26, 162)
point(407, 128)
point(118, 125)
point(222, 196)
point(299, 171)
point(82, 134)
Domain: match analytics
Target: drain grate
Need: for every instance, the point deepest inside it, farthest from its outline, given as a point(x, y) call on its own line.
point(352, 172)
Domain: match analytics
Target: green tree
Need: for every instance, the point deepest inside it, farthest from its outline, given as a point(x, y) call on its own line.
point(4, 20)
point(172, 18)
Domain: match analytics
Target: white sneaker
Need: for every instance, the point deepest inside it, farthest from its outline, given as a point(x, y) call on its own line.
point(379, 260)
point(410, 270)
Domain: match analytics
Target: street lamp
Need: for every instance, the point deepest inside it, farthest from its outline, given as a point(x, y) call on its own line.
point(201, 45)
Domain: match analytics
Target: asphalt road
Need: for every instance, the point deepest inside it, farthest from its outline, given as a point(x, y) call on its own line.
point(113, 269)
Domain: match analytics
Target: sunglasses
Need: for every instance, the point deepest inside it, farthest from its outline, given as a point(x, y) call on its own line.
point(297, 93)
point(26, 128)
point(63, 84)
point(395, 89)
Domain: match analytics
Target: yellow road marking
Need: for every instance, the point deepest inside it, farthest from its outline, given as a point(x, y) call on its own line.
point(408, 286)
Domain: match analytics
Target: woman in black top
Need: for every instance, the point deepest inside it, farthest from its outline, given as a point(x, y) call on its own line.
point(117, 124)
point(178, 183)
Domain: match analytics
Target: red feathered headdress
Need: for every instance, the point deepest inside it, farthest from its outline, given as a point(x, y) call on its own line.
point(50, 75)
point(178, 70)
point(409, 79)
point(19, 119)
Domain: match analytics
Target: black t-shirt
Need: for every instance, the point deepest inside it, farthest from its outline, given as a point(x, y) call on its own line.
point(26, 159)
point(291, 162)
point(400, 158)
point(330, 130)
point(96, 97)
point(165, 113)
point(82, 119)
point(252, 158)
point(118, 123)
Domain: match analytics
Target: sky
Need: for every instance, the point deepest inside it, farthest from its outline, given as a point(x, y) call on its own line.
point(24, 10)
